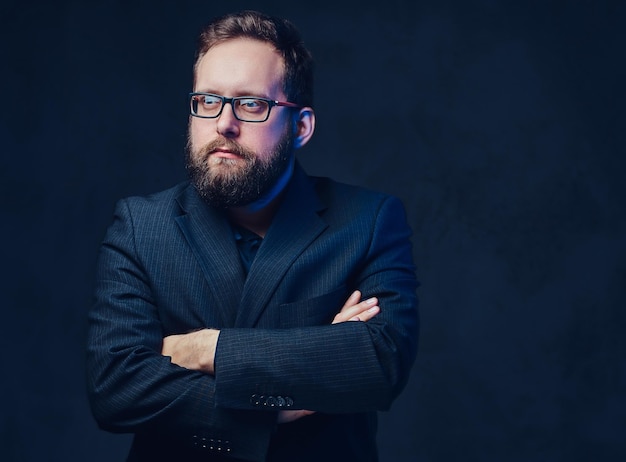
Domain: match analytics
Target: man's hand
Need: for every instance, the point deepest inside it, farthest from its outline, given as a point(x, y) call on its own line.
point(195, 350)
point(356, 310)
point(353, 310)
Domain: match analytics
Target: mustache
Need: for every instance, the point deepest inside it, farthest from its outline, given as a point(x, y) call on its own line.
point(226, 144)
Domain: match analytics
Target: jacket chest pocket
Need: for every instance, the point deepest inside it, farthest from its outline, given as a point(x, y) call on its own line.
point(314, 311)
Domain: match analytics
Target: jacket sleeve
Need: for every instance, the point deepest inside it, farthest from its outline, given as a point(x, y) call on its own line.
point(131, 386)
point(347, 367)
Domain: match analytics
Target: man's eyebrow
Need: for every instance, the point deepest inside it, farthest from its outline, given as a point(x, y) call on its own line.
point(238, 94)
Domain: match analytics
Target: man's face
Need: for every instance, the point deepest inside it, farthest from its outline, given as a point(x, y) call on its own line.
point(233, 163)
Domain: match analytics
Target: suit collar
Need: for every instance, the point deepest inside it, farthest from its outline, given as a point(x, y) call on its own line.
point(211, 240)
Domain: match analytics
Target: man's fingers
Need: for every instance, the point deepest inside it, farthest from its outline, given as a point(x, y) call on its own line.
point(353, 299)
point(290, 416)
point(364, 311)
point(366, 315)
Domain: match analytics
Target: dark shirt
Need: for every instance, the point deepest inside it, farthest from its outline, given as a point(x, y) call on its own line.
point(247, 243)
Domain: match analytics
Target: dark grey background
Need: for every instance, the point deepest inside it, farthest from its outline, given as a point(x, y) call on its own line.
point(499, 124)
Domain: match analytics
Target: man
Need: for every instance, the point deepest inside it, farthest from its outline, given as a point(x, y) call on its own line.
point(254, 313)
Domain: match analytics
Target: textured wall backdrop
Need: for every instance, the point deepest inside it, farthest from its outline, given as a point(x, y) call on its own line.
point(499, 124)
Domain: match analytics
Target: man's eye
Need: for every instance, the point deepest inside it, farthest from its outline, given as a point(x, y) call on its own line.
point(211, 101)
point(251, 105)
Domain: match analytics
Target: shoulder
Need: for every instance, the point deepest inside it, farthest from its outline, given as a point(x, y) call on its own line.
point(155, 204)
point(351, 198)
point(329, 188)
point(158, 199)
point(152, 213)
point(145, 218)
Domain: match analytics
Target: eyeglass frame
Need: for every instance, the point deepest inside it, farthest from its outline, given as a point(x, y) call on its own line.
point(271, 103)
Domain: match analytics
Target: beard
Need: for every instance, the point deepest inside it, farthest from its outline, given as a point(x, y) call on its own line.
point(225, 183)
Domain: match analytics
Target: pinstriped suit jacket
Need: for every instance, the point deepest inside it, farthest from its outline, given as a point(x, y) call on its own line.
point(169, 264)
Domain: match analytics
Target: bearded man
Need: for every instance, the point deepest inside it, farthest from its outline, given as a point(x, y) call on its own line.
point(253, 313)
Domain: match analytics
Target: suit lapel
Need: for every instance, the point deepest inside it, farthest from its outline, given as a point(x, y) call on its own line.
point(296, 225)
point(210, 237)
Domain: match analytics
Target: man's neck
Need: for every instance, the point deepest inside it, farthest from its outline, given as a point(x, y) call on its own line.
point(258, 216)
point(257, 221)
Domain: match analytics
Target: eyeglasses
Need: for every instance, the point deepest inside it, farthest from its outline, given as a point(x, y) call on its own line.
point(245, 108)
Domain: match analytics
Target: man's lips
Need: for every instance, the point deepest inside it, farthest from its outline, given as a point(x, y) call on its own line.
point(225, 154)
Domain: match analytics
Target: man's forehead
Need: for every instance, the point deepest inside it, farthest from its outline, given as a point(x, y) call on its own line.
point(240, 51)
point(239, 63)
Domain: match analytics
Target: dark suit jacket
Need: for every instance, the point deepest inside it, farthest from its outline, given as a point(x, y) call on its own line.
point(169, 264)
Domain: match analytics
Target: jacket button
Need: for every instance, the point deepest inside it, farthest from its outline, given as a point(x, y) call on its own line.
point(272, 401)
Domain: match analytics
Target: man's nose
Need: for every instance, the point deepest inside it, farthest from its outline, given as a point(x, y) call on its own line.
point(227, 123)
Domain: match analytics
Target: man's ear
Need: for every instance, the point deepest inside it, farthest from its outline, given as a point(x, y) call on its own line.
point(305, 126)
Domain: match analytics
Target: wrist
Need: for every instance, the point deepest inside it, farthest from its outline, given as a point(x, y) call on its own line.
point(207, 347)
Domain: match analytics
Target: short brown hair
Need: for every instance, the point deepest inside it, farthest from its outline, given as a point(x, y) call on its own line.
point(280, 33)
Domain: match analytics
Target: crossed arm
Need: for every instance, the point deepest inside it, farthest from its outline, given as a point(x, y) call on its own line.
point(133, 388)
point(196, 350)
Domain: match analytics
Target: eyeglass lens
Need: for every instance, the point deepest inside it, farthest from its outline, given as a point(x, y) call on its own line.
point(246, 109)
